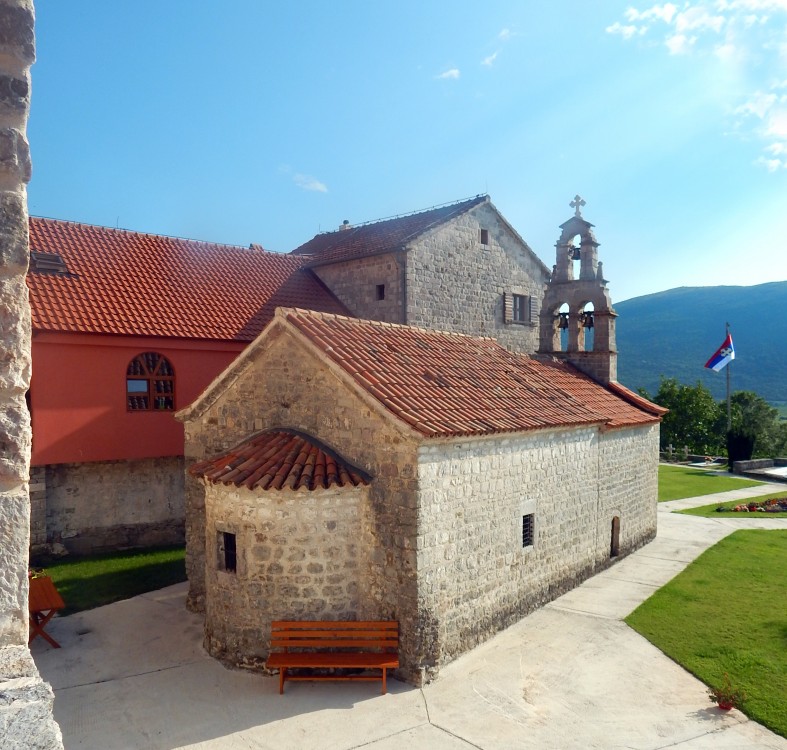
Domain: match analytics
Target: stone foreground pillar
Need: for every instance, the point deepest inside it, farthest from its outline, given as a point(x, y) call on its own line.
point(26, 719)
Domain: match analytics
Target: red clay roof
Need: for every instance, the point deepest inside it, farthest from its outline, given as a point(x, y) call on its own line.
point(383, 236)
point(279, 459)
point(130, 283)
point(446, 384)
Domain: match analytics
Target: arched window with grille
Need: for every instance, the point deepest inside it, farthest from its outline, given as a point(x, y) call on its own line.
point(150, 383)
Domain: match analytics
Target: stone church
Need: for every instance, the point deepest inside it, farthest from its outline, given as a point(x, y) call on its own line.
point(452, 455)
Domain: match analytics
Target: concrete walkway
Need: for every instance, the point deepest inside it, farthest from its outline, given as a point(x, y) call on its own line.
point(572, 675)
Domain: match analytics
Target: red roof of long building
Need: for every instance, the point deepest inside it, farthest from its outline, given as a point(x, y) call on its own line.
point(130, 283)
point(385, 236)
point(448, 384)
point(280, 459)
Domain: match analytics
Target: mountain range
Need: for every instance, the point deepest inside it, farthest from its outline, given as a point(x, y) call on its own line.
point(673, 333)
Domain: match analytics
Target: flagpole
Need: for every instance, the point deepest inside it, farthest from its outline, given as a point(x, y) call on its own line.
point(729, 402)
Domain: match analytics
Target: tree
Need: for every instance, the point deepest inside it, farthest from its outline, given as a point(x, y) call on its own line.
point(693, 418)
point(752, 414)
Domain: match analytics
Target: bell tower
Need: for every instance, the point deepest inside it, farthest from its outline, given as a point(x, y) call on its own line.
point(577, 321)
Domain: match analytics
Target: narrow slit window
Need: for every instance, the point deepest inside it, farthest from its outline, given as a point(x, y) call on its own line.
point(484, 236)
point(380, 292)
point(228, 555)
point(528, 530)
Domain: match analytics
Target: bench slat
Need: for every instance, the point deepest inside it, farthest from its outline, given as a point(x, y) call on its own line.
point(348, 624)
point(331, 643)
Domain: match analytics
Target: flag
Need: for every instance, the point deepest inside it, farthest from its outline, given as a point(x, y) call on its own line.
point(724, 355)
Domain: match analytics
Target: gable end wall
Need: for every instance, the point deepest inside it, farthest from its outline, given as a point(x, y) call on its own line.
point(454, 283)
point(288, 385)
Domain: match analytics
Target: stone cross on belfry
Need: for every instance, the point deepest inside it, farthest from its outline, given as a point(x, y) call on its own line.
point(576, 204)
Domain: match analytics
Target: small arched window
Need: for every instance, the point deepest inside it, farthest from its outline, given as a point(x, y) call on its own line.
point(150, 383)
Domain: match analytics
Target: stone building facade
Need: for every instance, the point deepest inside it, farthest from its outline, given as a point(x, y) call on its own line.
point(453, 268)
point(495, 483)
point(26, 708)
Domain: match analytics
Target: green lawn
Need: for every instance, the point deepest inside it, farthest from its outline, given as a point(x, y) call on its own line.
point(677, 482)
point(725, 613)
point(88, 582)
point(710, 511)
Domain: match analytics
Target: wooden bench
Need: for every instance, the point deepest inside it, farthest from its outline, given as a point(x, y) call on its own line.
point(334, 645)
point(44, 601)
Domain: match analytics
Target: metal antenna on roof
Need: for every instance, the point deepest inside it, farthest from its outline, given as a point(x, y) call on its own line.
point(117, 222)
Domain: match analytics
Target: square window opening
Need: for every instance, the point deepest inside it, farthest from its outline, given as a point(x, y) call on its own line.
point(528, 530)
point(380, 292)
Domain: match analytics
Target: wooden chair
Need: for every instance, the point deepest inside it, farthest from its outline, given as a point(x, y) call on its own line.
point(44, 602)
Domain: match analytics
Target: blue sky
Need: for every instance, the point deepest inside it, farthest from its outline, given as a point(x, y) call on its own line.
point(248, 121)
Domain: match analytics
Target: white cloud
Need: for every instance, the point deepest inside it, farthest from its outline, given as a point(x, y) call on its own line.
point(627, 31)
point(680, 44)
point(488, 61)
point(758, 105)
point(505, 35)
point(307, 182)
point(451, 73)
point(772, 165)
point(748, 39)
point(664, 12)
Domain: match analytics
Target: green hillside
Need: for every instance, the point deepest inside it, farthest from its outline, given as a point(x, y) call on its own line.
point(674, 333)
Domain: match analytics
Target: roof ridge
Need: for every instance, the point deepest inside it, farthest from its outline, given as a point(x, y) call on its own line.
point(406, 214)
point(283, 312)
point(252, 246)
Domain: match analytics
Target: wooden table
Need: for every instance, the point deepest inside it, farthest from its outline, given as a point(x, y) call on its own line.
point(44, 602)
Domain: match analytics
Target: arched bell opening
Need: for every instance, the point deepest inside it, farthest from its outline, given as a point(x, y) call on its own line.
point(574, 251)
point(562, 324)
point(586, 327)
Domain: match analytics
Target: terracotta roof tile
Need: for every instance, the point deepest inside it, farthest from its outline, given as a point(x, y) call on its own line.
point(447, 384)
point(122, 282)
point(382, 236)
point(279, 459)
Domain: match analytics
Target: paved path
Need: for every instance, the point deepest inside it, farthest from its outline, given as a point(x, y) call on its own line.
point(571, 675)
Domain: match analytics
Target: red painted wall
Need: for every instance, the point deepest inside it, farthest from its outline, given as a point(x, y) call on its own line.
point(78, 396)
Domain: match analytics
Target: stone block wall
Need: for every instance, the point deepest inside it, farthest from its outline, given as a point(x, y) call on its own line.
point(300, 555)
point(629, 471)
point(475, 575)
point(454, 283)
point(108, 505)
point(26, 719)
point(280, 382)
point(356, 283)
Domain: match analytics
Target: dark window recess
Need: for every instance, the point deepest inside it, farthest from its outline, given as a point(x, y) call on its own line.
point(484, 236)
point(150, 383)
point(521, 308)
point(528, 530)
point(380, 291)
point(229, 556)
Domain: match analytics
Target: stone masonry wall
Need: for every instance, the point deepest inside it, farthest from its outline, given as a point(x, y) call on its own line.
point(300, 555)
point(356, 284)
point(25, 700)
point(629, 469)
point(454, 283)
point(286, 385)
point(106, 505)
point(475, 577)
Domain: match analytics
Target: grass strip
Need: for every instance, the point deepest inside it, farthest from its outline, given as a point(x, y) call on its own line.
point(89, 582)
point(725, 613)
point(677, 482)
